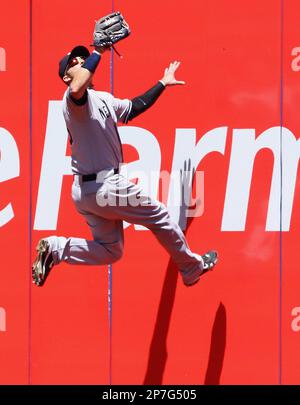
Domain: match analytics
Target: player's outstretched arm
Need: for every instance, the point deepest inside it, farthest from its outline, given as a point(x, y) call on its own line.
point(142, 103)
point(169, 75)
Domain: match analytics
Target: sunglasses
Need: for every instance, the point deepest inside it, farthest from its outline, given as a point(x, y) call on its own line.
point(73, 62)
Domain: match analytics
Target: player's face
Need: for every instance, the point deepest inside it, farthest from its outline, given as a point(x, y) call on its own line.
point(74, 65)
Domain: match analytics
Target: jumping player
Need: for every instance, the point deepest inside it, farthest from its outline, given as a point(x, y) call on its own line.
point(103, 195)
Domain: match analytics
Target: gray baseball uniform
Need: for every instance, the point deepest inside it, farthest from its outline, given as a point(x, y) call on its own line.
point(93, 134)
point(105, 202)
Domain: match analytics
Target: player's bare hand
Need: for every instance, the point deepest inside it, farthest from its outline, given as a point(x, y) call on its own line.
point(169, 76)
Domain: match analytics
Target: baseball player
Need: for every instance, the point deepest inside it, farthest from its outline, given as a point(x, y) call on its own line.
point(103, 195)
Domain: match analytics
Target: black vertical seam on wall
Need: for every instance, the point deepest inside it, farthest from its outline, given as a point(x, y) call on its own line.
point(281, 176)
point(110, 267)
point(30, 201)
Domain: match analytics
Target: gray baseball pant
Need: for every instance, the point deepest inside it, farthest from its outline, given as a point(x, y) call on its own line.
point(104, 206)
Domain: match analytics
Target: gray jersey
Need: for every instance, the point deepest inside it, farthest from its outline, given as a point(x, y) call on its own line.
point(94, 136)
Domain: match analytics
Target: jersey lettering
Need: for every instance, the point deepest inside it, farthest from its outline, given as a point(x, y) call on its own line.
point(104, 111)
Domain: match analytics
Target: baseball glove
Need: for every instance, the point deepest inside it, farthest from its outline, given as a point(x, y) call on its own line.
point(110, 29)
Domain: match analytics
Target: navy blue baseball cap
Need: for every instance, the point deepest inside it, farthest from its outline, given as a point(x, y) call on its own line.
point(79, 50)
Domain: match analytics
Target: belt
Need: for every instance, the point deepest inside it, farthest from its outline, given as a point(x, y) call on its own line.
point(93, 176)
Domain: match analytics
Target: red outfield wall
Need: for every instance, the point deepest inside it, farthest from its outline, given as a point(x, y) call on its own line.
point(239, 325)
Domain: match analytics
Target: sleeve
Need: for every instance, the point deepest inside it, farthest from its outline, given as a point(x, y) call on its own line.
point(122, 108)
point(142, 103)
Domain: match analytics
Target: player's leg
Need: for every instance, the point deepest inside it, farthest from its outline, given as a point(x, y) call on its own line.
point(106, 248)
point(157, 219)
point(120, 198)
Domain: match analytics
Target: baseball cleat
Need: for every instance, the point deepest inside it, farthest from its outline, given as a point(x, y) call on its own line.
point(209, 261)
point(43, 263)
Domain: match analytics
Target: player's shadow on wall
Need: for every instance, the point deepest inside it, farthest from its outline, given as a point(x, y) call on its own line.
point(217, 348)
point(158, 349)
